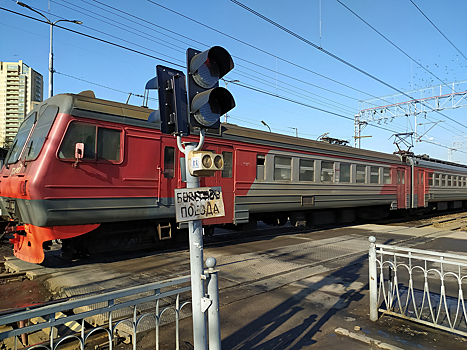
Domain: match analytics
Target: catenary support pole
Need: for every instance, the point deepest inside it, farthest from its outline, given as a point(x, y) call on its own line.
point(373, 280)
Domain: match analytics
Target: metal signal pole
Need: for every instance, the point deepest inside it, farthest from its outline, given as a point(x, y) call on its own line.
point(199, 302)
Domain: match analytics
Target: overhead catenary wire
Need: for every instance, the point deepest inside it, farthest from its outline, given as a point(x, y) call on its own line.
point(393, 44)
point(289, 62)
point(140, 19)
point(87, 12)
point(139, 32)
point(299, 37)
point(445, 37)
point(259, 49)
point(191, 19)
point(250, 70)
point(114, 44)
point(229, 36)
point(127, 29)
point(104, 86)
point(151, 56)
point(236, 57)
point(96, 38)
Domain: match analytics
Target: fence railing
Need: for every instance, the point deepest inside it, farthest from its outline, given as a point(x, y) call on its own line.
point(127, 311)
point(419, 285)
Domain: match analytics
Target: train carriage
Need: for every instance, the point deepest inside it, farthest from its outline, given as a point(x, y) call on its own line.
point(122, 184)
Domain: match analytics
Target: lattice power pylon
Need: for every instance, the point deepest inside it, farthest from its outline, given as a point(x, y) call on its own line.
point(432, 99)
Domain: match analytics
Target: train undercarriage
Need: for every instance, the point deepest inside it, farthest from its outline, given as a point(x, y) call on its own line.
point(123, 237)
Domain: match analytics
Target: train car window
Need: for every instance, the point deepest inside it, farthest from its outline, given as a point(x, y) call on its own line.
point(344, 175)
point(449, 180)
point(228, 163)
point(422, 180)
point(387, 176)
point(169, 162)
point(374, 175)
point(40, 132)
point(282, 168)
point(260, 162)
point(307, 170)
point(431, 179)
point(454, 181)
point(361, 174)
point(327, 171)
point(108, 144)
point(437, 179)
point(76, 133)
point(443, 180)
point(20, 139)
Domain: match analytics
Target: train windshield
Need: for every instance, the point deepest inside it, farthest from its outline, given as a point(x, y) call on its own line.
point(20, 139)
point(40, 128)
point(40, 132)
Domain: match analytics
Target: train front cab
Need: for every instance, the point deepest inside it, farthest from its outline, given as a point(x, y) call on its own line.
point(20, 185)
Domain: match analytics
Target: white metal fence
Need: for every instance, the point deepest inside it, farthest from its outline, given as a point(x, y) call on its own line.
point(418, 285)
point(126, 312)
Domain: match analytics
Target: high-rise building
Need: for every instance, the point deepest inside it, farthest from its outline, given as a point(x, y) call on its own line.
point(20, 90)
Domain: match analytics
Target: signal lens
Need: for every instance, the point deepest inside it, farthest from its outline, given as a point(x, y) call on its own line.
point(207, 161)
point(218, 162)
point(207, 74)
point(209, 113)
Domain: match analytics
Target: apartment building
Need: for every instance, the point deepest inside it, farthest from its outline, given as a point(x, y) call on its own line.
point(21, 88)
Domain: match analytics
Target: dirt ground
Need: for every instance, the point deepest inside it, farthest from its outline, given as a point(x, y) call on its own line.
point(18, 292)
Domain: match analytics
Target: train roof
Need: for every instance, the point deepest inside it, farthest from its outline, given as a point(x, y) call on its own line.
point(85, 104)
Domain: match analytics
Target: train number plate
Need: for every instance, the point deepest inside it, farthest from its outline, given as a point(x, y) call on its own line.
point(198, 203)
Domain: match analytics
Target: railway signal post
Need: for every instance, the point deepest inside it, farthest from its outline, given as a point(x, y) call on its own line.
point(207, 102)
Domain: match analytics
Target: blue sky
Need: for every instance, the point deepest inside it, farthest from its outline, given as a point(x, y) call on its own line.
point(266, 57)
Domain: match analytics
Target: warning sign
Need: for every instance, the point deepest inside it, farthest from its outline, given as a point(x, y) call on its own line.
point(198, 203)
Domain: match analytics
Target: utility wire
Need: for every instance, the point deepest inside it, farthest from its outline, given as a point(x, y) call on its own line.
point(182, 51)
point(231, 37)
point(96, 38)
point(263, 51)
point(445, 37)
point(104, 86)
point(397, 47)
point(258, 49)
point(332, 55)
point(242, 85)
point(307, 105)
point(87, 12)
point(114, 44)
point(250, 70)
point(301, 94)
point(141, 19)
point(236, 57)
point(139, 52)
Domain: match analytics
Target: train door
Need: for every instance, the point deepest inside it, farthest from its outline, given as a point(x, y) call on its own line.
point(223, 179)
point(402, 193)
point(167, 170)
point(420, 187)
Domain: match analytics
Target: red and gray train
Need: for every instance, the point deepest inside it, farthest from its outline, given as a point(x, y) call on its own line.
point(121, 191)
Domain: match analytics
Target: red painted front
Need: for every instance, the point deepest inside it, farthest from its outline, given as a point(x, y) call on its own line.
point(29, 247)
